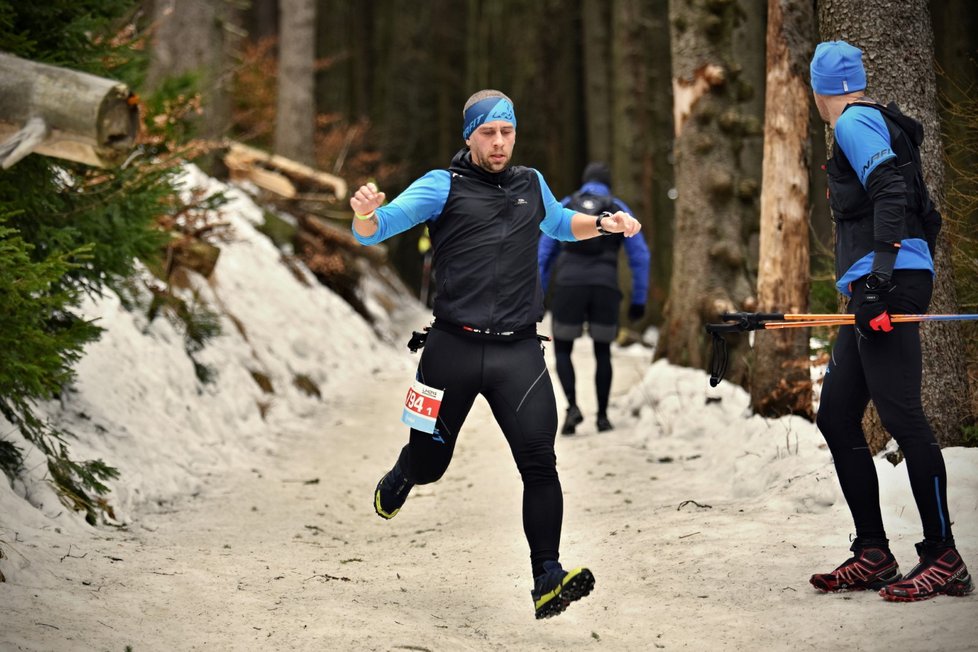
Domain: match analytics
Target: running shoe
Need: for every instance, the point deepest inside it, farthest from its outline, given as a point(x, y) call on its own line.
point(555, 589)
point(572, 420)
point(392, 491)
point(603, 424)
point(870, 568)
point(940, 572)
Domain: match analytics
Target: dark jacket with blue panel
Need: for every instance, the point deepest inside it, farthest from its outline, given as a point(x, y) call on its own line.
point(893, 207)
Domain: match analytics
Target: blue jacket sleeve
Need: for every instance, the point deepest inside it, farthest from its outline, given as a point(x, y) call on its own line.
point(422, 201)
point(639, 260)
point(557, 222)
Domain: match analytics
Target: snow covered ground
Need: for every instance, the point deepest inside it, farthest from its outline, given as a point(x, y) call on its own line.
point(244, 517)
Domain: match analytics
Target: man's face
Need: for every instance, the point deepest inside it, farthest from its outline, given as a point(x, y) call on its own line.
point(492, 145)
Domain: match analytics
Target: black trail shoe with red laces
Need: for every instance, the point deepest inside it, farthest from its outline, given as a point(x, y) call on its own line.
point(869, 568)
point(555, 589)
point(939, 572)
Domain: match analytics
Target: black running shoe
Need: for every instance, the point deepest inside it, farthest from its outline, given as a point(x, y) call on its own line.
point(870, 568)
point(392, 491)
point(603, 424)
point(940, 572)
point(572, 420)
point(556, 588)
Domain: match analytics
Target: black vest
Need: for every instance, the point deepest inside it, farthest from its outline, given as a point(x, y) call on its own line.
point(485, 248)
point(852, 207)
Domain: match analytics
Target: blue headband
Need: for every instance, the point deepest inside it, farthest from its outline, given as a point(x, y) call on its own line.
point(487, 110)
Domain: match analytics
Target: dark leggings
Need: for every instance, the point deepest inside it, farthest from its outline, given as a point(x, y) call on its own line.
point(887, 370)
point(602, 372)
point(513, 378)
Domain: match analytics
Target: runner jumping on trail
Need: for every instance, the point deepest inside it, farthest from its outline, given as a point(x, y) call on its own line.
point(484, 217)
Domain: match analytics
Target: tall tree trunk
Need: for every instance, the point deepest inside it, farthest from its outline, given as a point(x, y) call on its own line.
point(261, 19)
point(955, 44)
point(627, 98)
point(295, 119)
point(597, 69)
point(886, 37)
point(658, 181)
point(780, 379)
point(196, 36)
point(715, 192)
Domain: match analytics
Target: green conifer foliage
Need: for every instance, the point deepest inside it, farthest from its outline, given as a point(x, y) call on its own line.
point(66, 230)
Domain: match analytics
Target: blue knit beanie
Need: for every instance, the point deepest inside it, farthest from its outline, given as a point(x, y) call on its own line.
point(837, 69)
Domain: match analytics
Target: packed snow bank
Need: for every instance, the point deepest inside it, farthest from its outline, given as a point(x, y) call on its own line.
point(782, 463)
point(139, 406)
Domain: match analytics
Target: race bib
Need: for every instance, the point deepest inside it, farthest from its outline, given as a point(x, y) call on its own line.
point(421, 407)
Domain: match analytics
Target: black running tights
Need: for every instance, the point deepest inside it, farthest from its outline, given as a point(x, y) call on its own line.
point(887, 370)
point(602, 372)
point(513, 378)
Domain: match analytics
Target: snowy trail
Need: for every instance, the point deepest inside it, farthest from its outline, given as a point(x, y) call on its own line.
point(291, 557)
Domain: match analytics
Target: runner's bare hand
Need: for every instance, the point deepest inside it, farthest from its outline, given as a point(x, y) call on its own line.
point(366, 199)
point(621, 222)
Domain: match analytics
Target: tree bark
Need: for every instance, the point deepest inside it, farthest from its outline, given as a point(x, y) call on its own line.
point(955, 43)
point(715, 191)
point(886, 38)
point(196, 36)
point(295, 121)
point(596, 39)
point(74, 115)
point(780, 377)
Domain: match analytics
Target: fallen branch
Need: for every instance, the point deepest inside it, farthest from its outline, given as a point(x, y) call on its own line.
point(278, 174)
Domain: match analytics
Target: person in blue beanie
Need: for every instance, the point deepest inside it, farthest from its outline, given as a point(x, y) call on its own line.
point(886, 231)
point(484, 217)
point(585, 280)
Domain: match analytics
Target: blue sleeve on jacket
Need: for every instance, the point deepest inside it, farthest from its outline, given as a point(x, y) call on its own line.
point(639, 260)
point(557, 222)
point(862, 134)
point(423, 200)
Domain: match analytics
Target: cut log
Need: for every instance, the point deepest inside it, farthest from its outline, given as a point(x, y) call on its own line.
point(242, 158)
point(63, 113)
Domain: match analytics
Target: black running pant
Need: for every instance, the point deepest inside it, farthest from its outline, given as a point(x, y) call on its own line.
point(512, 376)
point(887, 370)
point(572, 307)
point(602, 372)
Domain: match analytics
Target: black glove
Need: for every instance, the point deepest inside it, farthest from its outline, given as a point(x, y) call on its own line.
point(872, 316)
point(636, 311)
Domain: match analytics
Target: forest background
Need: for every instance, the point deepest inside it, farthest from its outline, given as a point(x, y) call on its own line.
point(675, 96)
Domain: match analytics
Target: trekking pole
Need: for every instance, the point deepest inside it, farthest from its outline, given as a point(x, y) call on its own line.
point(742, 322)
point(800, 321)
